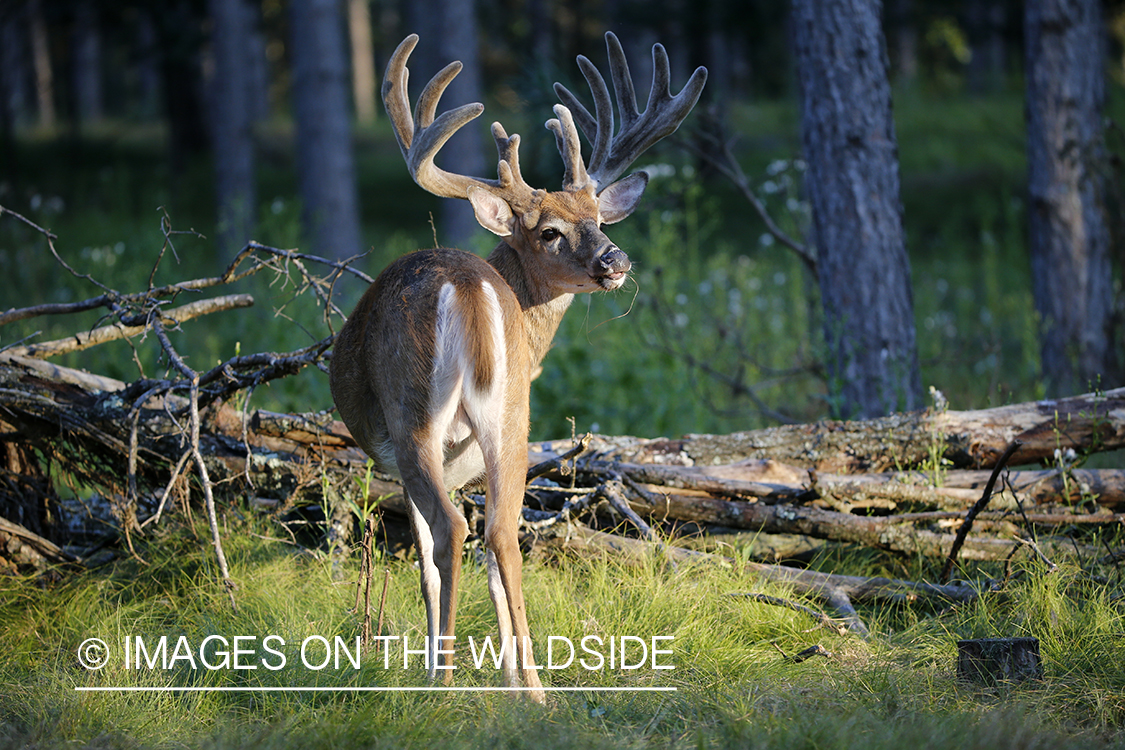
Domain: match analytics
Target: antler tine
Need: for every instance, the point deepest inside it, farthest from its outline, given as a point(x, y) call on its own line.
point(395, 98)
point(523, 199)
point(422, 135)
point(663, 113)
point(566, 138)
point(622, 82)
point(603, 111)
point(582, 116)
point(426, 108)
point(508, 151)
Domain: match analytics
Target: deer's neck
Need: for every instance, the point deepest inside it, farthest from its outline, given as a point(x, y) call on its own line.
point(543, 307)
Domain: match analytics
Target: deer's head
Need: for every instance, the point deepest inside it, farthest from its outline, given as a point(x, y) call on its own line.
point(558, 234)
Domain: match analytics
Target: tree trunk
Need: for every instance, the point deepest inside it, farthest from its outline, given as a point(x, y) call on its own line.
point(41, 56)
point(541, 35)
point(147, 57)
point(87, 65)
point(232, 125)
point(1072, 280)
point(13, 77)
point(326, 169)
point(853, 184)
point(448, 31)
point(465, 152)
point(258, 97)
point(179, 29)
point(363, 61)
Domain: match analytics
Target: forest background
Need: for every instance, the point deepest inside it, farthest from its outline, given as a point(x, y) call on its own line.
point(117, 116)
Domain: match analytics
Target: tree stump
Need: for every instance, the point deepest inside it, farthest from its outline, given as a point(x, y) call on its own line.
point(992, 661)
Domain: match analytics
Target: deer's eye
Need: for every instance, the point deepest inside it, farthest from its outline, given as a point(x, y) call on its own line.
point(549, 234)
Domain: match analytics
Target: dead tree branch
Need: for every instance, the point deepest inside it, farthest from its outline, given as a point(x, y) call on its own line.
point(967, 524)
point(117, 331)
point(720, 156)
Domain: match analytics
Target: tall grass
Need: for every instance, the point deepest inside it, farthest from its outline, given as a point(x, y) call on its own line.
point(734, 688)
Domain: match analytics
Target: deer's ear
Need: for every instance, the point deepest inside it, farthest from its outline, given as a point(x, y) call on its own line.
point(620, 199)
point(493, 213)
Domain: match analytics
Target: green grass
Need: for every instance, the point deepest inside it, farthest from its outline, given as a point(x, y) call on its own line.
point(896, 689)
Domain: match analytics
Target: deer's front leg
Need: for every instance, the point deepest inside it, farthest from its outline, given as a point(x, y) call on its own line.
point(505, 584)
point(508, 460)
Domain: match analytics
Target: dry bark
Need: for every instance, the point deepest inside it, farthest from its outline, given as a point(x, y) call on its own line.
point(114, 332)
point(284, 457)
point(967, 439)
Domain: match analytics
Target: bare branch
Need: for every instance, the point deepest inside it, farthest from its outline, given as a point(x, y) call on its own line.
point(208, 494)
point(614, 492)
point(729, 167)
point(558, 462)
point(116, 331)
point(980, 505)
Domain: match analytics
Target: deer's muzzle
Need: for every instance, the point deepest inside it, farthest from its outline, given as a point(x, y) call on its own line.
point(611, 268)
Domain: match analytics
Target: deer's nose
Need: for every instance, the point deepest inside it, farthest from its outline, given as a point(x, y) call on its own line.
point(614, 260)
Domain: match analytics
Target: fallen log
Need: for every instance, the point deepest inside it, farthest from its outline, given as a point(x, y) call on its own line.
point(748, 478)
point(280, 457)
point(967, 439)
point(961, 488)
point(838, 591)
point(770, 480)
point(880, 532)
point(722, 495)
point(765, 480)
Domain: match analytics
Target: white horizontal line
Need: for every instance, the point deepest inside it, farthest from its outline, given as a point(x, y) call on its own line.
point(363, 689)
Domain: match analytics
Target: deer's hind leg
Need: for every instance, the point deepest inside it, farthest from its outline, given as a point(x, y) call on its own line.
point(439, 531)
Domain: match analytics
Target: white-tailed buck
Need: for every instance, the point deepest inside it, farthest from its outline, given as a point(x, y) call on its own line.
point(431, 373)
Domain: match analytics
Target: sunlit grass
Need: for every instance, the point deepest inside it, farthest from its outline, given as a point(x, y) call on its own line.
point(734, 688)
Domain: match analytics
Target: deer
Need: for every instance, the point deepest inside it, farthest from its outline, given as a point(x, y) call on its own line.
point(431, 372)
